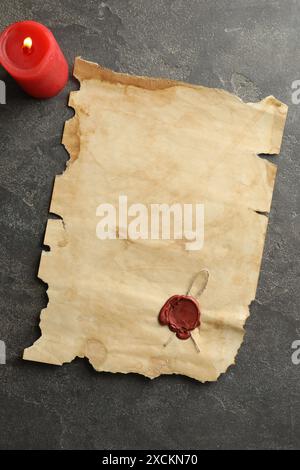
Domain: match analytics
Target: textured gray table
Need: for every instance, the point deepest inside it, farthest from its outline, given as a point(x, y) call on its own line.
point(249, 47)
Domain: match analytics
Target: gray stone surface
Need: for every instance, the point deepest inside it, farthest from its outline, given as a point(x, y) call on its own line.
point(249, 47)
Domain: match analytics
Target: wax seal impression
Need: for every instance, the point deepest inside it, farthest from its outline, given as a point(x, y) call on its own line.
point(181, 313)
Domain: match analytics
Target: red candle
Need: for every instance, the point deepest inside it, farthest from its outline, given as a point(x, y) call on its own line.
point(31, 55)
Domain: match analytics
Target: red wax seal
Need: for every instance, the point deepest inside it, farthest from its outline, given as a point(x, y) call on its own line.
point(182, 315)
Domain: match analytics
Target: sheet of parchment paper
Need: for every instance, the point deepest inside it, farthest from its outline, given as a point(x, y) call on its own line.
point(156, 141)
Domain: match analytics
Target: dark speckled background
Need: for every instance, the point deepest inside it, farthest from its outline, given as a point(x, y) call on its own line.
point(250, 47)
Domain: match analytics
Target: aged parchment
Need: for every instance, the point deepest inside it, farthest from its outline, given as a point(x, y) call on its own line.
point(156, 141)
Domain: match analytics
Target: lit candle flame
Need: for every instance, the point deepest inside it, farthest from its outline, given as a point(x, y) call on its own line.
point(27, 44)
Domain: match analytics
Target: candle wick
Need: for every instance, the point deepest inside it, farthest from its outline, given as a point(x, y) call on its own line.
point(27, 45)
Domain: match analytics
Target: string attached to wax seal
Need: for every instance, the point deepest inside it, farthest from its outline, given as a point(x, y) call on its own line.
point(181, 313)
